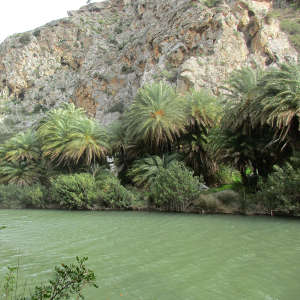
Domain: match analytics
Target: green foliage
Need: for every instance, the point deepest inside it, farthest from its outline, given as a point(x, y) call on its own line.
point(111, 193)
point(22, 147)
point(8, 285)
point(20, 159)
point(203, 109)
point(74, 191)
point(280, 100)
point(263, 105)
point(68, 136)
point(175, 188)
point(34, 196)
point(68, 280)
point(144, 171)
point(156, 117)
point(25, 38)
point(10, 196)
point(242, 83)
point(241, 88)
point(21, 173)
point(281, 190)
point(227, 175)
point(290, 22)
point(212, 3)
point(203, 113)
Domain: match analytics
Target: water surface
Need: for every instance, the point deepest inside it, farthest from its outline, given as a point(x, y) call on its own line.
point(153, 256)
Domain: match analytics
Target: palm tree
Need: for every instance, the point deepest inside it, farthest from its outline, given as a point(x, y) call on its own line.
point(248, 151)
point(203, 110)
point(203, 113)
point(144, 170)
point(240, 92)
point(244, 139)
point(21, 160)
point(87, 141)
point(22, 147)
point(242, 82)
point(21, 173)
point(123, 154)
point(280, 100)
point(156, 117)
point(69, 137)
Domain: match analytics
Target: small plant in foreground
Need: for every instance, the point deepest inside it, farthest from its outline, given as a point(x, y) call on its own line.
point(68, 280)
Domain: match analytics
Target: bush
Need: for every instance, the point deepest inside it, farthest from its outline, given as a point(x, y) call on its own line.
point(35, 196)
point(281, 190)
point(112, 194)
point(10, 196)
point(68, 280)
point(175, 188)
point(75, 191)
point(25, 38)
point(14, 196)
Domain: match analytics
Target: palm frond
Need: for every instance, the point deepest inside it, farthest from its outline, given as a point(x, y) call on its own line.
point(156, 116)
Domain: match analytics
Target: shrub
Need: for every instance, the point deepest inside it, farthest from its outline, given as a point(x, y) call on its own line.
point(112, 194)
point(144, 170)
point(34, 196)
point(228, 175)
point(14, 196)
point(281, 190)
point(175, 188)
point(25, 39)
point(68, 280)
point(10, 196)
point(75, 191)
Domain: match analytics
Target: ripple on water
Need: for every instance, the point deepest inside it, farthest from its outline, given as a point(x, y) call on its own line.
point(160, 256)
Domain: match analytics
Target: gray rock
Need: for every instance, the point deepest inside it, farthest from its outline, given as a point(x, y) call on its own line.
point(101, 54)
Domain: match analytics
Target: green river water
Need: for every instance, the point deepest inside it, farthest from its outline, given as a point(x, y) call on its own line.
point(156, 256)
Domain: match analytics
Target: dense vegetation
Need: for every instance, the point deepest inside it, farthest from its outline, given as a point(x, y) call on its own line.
point(164, 148)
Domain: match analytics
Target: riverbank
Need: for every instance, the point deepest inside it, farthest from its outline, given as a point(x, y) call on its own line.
point(218, 209)
point(174, 189)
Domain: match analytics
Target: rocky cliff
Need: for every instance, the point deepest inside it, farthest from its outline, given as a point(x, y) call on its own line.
point(101, 54)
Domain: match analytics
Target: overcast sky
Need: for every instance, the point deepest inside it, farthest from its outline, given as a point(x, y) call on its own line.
point(23, 15)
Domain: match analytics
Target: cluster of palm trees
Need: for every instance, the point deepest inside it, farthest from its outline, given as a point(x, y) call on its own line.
point(66, 140)
point(256, 127)
point(261, 122)
point(162, 125)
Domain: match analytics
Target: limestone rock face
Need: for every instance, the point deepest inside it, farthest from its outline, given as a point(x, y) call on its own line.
point(101, 54)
